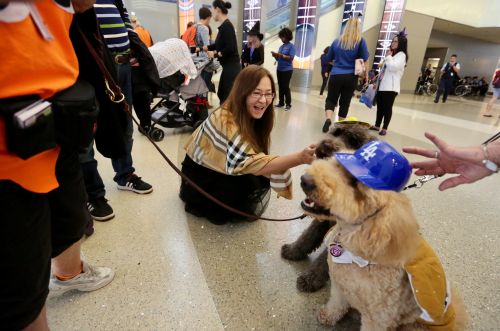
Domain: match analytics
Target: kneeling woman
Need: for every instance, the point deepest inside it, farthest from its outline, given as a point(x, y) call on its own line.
point(228, 155)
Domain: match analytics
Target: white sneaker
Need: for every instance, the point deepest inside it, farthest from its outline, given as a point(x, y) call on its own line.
point(91, 279)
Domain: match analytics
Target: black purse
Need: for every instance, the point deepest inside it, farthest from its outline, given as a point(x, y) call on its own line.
point(75, 114)
point(31, 139)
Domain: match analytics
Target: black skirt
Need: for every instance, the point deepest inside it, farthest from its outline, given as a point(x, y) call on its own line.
point(247, 193)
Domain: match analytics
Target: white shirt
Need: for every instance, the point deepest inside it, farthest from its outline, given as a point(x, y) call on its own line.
point(394, 69)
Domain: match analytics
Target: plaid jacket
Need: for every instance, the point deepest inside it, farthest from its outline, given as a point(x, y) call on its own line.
point(217, 144)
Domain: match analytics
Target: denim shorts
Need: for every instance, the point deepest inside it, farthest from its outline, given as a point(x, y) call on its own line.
point(496, 92)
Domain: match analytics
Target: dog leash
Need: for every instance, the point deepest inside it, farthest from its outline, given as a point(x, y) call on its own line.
point(115, 94)
point(424, 179)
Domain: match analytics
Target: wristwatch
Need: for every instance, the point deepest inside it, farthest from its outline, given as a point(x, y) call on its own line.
point(490, 165)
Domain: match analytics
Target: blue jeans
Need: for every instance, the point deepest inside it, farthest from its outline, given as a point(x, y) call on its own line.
point(122, 166)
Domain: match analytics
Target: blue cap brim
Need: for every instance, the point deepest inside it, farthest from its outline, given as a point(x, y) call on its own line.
point(360, 172)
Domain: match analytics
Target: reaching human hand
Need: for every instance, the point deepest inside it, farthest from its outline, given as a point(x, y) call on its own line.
point(448, 159)
point(307, 155)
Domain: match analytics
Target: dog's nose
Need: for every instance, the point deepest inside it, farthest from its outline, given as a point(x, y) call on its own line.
point(307, 183)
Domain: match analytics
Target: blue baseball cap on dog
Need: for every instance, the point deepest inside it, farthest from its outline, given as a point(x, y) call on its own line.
point(377, 165)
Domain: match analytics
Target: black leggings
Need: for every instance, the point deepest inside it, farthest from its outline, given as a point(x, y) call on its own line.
point(342, 86)
point(385, 101)
point(284, 95)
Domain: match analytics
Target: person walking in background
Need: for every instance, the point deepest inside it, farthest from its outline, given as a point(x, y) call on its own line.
point(141, 31)
point(495, 82)
point(390, 80)
point(253, 52)
point(225, 49)
point(343, 52)
point(448, 74)
point(326, 67)
point(284, 72)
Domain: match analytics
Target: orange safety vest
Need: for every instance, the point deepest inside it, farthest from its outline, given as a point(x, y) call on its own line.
point(32, 65)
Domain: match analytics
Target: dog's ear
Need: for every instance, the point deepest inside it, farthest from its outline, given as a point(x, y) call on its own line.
point(388, 237)
point(326, 148)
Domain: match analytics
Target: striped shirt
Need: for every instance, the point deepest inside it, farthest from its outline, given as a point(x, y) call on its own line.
point(114, 25)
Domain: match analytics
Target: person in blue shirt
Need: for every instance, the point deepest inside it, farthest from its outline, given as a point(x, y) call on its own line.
point(344, 51)
point(284, 57)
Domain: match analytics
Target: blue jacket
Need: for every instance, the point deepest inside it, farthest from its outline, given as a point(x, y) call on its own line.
point(343, 60)
point(286, 49)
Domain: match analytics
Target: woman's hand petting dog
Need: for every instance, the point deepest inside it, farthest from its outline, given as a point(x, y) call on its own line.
point(307, 155)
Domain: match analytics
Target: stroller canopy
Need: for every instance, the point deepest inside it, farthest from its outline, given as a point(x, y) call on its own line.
point(171, 56)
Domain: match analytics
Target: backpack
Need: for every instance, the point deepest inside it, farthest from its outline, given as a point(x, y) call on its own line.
point(189, 36)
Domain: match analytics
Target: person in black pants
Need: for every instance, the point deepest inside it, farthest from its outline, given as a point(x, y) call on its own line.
point(389, 86)
point(343, 52)
point(225, 49)
point(448, 74)
point(326, 67)
point(284, 72)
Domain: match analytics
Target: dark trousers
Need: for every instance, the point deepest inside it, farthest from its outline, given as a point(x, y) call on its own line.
point(284, 95)
point(227, 77)
point(385, 101)
point(323, 84)
point(122, 166)
point(35, 228)
point(445, 86)
point(142, 107)
point(340, 86)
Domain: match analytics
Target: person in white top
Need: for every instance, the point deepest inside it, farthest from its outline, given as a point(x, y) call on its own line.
point(390, 81)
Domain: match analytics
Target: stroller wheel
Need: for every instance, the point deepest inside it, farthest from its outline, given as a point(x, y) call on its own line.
point(156, 134)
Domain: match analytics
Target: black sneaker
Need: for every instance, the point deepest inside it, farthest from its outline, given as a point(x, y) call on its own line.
point(288, 107)
point(136, 184)
point(327, 124)
point(100, 210)
point(279, 105)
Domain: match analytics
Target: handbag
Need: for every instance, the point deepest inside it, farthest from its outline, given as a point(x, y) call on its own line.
point(368, 96)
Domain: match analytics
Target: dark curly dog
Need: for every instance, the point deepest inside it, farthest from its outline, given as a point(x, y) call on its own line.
point(346, 137)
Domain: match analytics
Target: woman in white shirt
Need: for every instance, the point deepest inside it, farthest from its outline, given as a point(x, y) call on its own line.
point(390, 82)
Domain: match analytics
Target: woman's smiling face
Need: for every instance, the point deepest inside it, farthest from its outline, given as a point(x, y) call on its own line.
point(260, 98)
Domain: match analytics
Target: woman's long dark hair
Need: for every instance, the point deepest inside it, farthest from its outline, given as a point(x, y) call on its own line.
point(402, 46)
point(257, 132)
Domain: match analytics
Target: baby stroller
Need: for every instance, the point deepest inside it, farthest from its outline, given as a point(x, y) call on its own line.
point(183, 91)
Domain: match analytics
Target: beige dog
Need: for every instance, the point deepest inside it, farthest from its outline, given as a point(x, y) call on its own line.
point(378, 262)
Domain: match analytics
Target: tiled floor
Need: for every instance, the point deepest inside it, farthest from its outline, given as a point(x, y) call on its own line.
point(178, 272)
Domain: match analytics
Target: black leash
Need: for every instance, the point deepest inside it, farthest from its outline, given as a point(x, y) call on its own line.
point(115, 94)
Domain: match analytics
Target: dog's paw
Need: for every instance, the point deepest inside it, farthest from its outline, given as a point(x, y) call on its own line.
point(325, 317)
point(289, 252)
point(310, 282)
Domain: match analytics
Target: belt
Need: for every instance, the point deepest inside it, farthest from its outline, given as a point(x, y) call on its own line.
point(121, 58)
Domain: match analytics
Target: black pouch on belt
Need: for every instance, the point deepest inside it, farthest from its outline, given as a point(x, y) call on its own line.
point(75, 114)
point(27, 135)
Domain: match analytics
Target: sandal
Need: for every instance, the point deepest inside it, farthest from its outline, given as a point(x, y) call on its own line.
point(374, 128)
